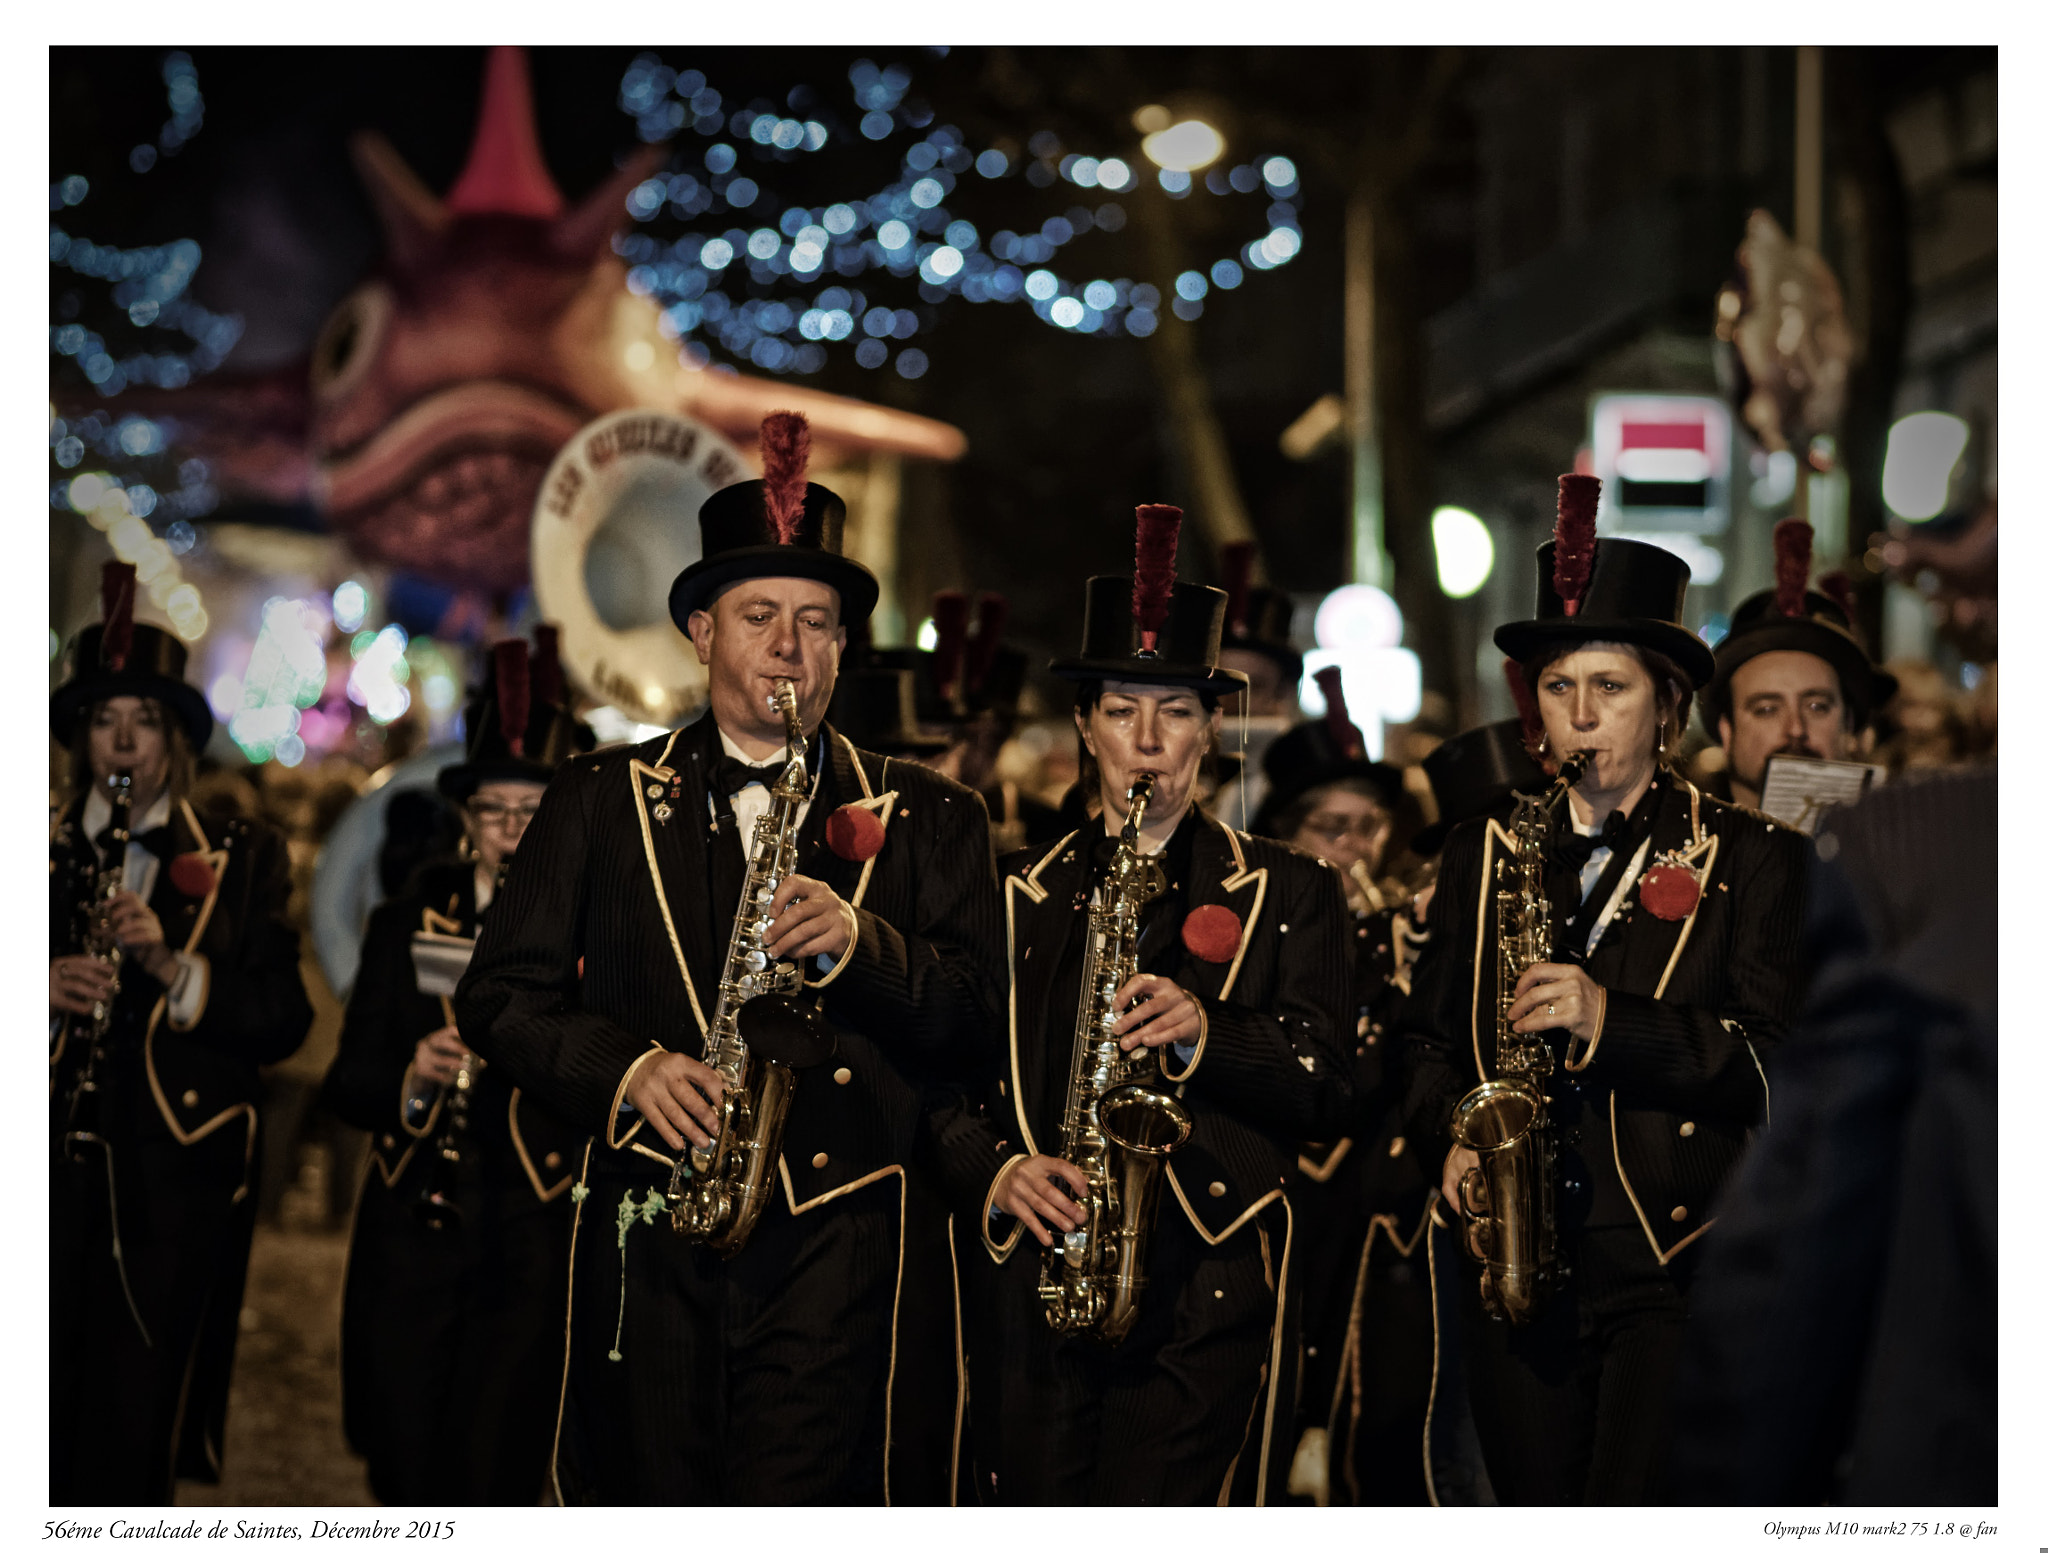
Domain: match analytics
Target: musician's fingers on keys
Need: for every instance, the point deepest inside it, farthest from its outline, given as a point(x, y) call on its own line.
point(1032, 1195)
point(77, 981)
point(1555, 997)
point(808, 919)
point(1156, 1012)
point(680, 1096)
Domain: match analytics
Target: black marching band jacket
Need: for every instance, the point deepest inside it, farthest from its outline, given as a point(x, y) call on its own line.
point(194, 1085)
point(614, 871)
point(1698, 999)
point(516, 1137)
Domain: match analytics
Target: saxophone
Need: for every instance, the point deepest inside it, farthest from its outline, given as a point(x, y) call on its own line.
point(1510, 1196)
point(436, 1206)
point(1117, 1130)
point(762, 1033)
point(82, 1100)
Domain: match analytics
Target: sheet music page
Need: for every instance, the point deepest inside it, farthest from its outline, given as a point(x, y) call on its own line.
point(438, 962)
point(1798, 790)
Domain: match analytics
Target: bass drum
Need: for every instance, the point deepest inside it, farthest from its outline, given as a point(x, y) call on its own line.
point(615, 521)
point(346, 881)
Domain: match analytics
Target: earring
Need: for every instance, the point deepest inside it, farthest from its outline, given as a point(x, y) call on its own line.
point(1543, 744)
point(1660, 738)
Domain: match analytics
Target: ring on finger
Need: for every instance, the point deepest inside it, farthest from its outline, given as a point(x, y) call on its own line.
point(1550, 1008)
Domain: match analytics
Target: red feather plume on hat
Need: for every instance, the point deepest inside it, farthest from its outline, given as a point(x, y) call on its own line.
point(117, 614)
point(1792, 543)
point(1336, 715)
point(1578, 512)
point(949, 617)
point(988, 636)
point(1239, 556)
point(547, 666)
point(509, 665)
point(785, 457)
point(1152, 585)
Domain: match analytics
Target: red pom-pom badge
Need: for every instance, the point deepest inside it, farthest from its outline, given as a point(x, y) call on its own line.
point(192, 874)
point(854, 833)
point(1212, 933)
point(1670, 892)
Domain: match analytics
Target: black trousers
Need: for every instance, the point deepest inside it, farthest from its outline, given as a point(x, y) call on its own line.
point(1576, 1407)
point(763, 1380)
point(1172, 1416)
point(121, 1369)
point(452, 1341)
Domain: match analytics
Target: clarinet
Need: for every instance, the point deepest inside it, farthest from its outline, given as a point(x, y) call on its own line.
point(436, 1206)
point(82, 1100)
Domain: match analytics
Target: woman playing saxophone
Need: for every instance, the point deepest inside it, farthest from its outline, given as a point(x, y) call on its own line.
point(1627, 954)
point(1116, 1360)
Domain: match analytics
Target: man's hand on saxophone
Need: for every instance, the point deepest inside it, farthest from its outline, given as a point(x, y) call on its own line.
point(1030, 1192)
point(809, 920)
point(1156, 1012)
point(680, 1096)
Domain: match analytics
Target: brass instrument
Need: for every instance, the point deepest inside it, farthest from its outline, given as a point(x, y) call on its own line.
point(82, 1100)
point(436, 1206)
point(763, 1033)
point(1510, 1197)
point(1117, 1130)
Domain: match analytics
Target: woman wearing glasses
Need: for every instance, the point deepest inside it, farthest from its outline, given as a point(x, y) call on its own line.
point(458, 1270)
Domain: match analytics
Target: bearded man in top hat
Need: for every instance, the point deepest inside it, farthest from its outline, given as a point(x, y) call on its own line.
point(761, 1376)
point(458, 1267)
point(1242, 995)
point(1790, 677)
point(174, 974)
point(1674, 973)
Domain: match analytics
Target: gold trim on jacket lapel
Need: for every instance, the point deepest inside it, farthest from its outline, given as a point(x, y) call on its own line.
point(1231, 886)
point(638, 771)
point(217, 859)
point(1027, 885)
point(883, 807)
point(1311, 1171)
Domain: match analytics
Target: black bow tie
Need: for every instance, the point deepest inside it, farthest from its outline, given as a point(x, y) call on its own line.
point(730, 775)
point(1575, 851)
point(158, 841)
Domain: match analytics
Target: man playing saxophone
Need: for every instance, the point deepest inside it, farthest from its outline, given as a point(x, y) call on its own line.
point(1672, 929)
point(751, 1367)
point(1192, 1075)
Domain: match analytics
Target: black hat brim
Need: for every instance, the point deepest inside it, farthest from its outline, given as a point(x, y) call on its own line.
point(461, 780)
point(1522, 639)
point(70, 701)
point(1865, 686)
point(1145, 671)
point(698, 584)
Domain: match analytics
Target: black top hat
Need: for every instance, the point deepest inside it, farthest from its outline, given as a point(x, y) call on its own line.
point(1148, 628)
point(121, 657)
point(1606, 590)
point(1791, 618)
point(875, 706)
point(1315, 754)
point(778, 526)
point(520, 727)
point(1474, 774)
point(1259, 620)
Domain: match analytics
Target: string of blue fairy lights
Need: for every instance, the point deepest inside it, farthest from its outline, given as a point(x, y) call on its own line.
point(907, 229)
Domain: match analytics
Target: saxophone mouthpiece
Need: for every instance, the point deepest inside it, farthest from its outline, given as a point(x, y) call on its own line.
point(1574, 768)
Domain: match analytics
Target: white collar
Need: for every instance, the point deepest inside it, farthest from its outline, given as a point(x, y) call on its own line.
point(740, 755)
point(98, 811)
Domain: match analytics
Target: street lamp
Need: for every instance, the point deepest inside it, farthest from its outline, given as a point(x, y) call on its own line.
point(1185, 147)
